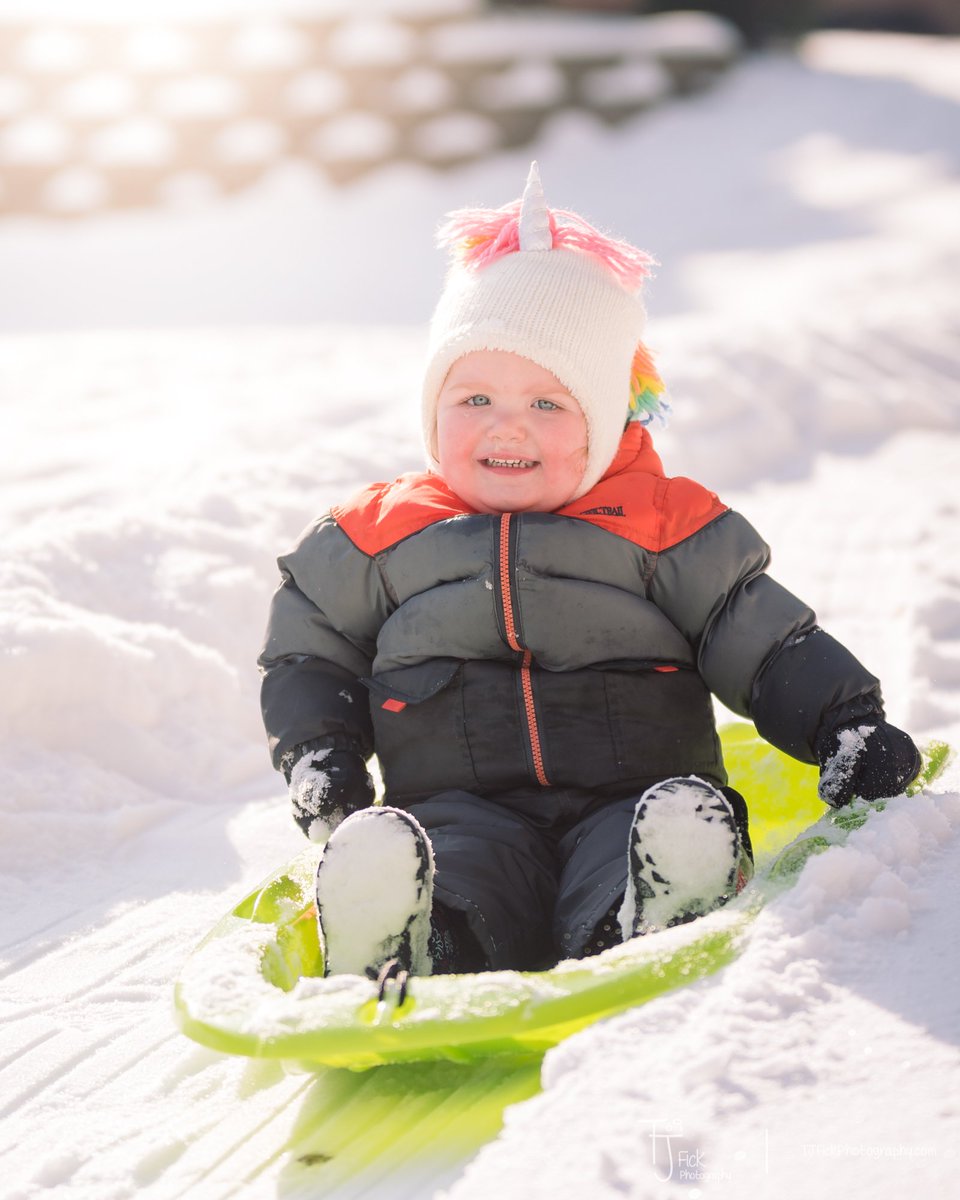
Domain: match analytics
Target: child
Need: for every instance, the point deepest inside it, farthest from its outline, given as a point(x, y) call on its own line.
point(528, 635)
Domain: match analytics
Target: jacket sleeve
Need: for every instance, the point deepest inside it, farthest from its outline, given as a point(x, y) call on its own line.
point(321, 638)
point(759, 648)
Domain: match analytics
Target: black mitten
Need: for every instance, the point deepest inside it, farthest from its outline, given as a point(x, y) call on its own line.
point(328, 781)
point(866, 758)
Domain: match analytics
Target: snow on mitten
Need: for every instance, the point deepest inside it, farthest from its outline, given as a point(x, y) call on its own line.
point(327, 783)
point(870, 759)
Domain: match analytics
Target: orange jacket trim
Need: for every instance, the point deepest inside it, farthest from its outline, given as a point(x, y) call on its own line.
point(634, 500)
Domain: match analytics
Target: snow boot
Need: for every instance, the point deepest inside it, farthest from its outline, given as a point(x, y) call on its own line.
point(374, 895)
point(686, 856)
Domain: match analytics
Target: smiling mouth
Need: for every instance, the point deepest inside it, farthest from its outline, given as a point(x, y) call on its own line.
point(517, 464)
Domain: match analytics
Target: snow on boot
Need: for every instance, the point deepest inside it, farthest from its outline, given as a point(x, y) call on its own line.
point(684, 856)
point(374, 894)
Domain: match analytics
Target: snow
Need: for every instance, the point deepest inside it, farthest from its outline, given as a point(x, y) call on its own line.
point(135, 140)
point(805, 212)
point(367, 42)
point(199, 97)
point(839, 769)
point(697, 35)
point(98, 96)
point(638, 81)
point(529, 84)
point(355, 136)
point(268, 47)
point(456, 135)
point(421, 89)
point(315, 91)
point(818, 1064)
point(93, 11)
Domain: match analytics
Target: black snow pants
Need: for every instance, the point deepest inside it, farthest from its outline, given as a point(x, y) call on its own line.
point(533, 872)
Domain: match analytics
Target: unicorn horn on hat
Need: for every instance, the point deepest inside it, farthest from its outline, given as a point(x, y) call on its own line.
point(533, 223)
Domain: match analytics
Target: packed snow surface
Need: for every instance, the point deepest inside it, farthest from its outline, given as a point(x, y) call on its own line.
point(807, 216)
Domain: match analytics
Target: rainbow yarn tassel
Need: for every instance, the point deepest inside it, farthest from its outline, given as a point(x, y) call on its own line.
point(648, 398)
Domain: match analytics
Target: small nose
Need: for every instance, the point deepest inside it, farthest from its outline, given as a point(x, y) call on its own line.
point(507, 427)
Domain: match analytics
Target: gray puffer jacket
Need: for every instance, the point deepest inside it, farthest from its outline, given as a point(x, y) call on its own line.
point(575, 649)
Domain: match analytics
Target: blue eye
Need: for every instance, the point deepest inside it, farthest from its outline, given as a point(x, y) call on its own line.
point(477, 401)
point(545, 405)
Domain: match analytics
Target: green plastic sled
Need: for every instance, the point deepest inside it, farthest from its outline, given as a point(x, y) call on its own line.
point(255, 986)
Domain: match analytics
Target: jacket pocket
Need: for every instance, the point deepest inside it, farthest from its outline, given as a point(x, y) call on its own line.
point(662, 724)
point(418, 730)
point(449, 725)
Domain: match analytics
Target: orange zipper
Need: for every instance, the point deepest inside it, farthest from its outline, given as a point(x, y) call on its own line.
point(532, 728)
point(526, 676)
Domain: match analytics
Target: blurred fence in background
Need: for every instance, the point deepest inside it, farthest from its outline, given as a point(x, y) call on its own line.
point(100, 115)
point(760, 21)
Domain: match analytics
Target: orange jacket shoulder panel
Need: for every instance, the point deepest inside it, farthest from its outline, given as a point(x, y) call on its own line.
point(385, 513)
point(635, 500)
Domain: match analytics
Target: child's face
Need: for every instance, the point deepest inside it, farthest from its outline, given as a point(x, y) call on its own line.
point(510, 437)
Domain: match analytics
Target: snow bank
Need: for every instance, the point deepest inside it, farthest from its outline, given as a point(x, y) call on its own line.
point(806, 1068)
point(139, 546)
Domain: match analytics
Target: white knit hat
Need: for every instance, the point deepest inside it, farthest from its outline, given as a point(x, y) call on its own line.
point(547, 285)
